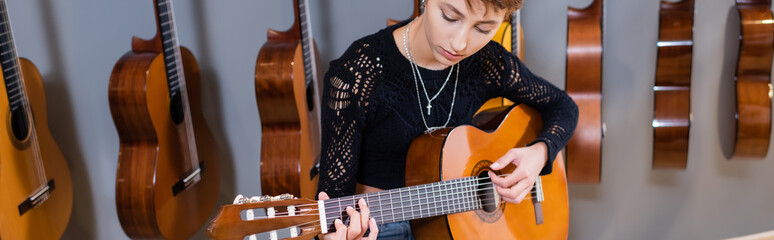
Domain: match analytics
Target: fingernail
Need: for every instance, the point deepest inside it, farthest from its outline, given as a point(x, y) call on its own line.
point(495, 165)
point(373, 220)
point(348, 208)
point(338, 221)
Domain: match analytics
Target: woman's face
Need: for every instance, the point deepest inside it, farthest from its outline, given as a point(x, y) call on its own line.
point(455, 30)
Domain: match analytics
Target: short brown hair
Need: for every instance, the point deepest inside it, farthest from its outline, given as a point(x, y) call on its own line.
point(510, 5)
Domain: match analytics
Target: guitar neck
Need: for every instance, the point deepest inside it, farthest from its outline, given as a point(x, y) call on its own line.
point(421, 201)
point(170, 47)
point(10, 62)
point(307, 42)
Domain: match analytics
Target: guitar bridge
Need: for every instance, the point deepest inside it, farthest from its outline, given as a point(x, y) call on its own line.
point(537, 199)
point(38, 197)
point(189, 179)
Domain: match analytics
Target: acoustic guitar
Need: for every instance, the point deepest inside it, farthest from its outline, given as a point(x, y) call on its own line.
point(584, 85)
point(168, 171)
point(672, 88)
point(37, 196)
point(285, 76)
point(449, 194)
point(753, 79)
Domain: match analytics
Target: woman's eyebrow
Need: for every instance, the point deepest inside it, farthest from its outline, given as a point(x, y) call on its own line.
point(454, 9)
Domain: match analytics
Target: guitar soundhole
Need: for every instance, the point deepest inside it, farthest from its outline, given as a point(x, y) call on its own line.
point(20, 124)
point(176, 109)
point(486, 193)
point(310, 96)
point(492, 207)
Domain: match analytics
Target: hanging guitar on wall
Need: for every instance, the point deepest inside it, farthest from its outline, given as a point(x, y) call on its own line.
point(285, 76)
point(168, 171)
point(753, 79)
point(672, 88)
point(584, 85)
point(37, 192)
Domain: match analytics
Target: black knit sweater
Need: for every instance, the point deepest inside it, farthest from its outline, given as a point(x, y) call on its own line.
point(370, 112)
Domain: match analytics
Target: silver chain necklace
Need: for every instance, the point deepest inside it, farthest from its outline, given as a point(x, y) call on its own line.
point(415, 71)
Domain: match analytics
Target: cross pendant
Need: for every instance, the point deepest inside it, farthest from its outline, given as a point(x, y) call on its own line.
point(428, 108)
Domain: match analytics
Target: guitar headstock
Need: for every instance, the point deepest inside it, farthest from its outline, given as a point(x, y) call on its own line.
point(237, 221)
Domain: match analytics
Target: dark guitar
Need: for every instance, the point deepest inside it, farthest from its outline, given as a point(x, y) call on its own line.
point(753, 79)
point(285, 76)
point(672, 89)
point(584, 85)
point(37, 192)
point(449, 195)
point(168, 171)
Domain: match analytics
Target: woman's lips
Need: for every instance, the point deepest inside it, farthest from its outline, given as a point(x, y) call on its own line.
point(448, 55)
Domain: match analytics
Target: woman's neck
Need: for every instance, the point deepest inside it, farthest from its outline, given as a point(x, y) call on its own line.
point(418, 45)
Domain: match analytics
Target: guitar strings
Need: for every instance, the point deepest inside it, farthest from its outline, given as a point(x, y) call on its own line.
point(181, 86)
point(402, 190)
point(39, 167)
point(378, 208)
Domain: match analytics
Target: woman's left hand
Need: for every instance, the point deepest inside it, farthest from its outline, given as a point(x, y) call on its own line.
point(528, 161)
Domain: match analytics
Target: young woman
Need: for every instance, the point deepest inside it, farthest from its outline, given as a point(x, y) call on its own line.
point(430, 72)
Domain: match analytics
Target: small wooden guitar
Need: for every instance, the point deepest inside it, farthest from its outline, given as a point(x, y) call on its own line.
point(285, 76)
point(37, 196)
point(753, 79)
point(672, 88)
point(449, 195)
point(168, 172)
point(584, 85)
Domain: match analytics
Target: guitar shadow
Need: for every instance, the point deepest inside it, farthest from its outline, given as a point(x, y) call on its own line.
point(64, 130)
point(212, 105)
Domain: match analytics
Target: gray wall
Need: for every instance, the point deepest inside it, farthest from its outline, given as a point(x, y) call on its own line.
point(75, 44)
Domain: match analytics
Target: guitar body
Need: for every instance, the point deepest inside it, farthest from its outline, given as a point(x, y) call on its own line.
point(672, 88)
point(151, 158)
point(468, 151)
point(753, 79)
point(290, 141)
point(49, 219)
point(584, 85)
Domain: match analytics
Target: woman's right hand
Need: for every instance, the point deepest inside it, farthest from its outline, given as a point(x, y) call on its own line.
point(358, 223)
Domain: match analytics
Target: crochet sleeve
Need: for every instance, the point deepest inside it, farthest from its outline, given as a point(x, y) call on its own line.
point(558, 111)
point(345, 97)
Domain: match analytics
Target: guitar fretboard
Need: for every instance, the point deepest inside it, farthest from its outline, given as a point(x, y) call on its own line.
point(171, 51)
point(10, 62)
point(421, 201)
point(310, 65)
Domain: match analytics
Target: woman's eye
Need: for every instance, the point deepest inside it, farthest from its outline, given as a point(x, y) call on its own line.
point(447, 18)
point(483, 31)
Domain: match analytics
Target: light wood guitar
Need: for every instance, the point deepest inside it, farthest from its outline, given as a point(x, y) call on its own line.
point(37, 196)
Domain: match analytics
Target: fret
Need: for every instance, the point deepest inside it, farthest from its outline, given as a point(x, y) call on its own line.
point(11, 83)
point(165, 23)
point(15, 103)
point(163, 14)
point(170, 56)
point(9, 68)
point(166, 32)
